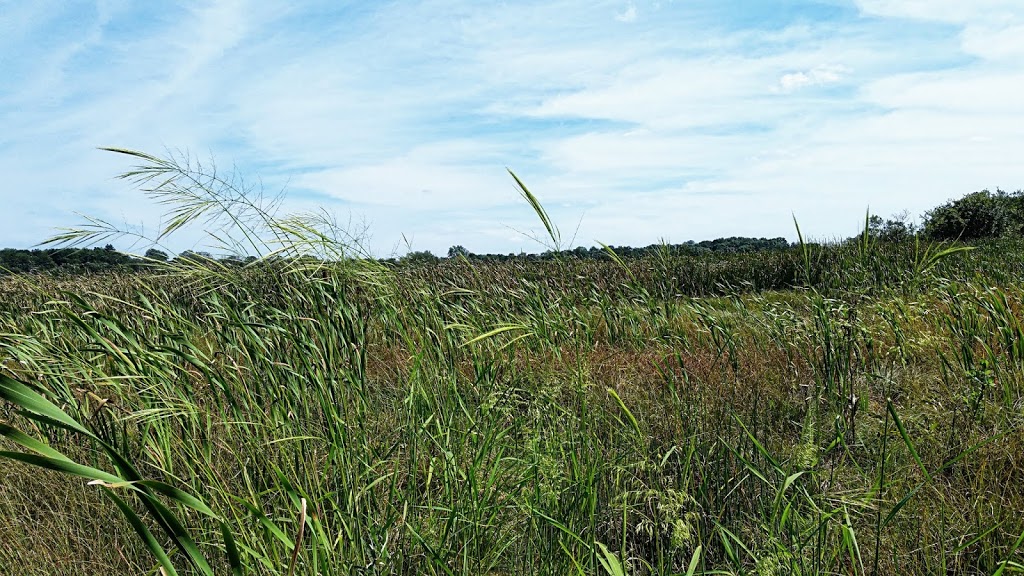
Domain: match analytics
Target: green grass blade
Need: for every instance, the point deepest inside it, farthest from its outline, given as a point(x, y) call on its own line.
point(144, 534)
point(626, 411)
point(63, 465)
point(610, 561)
point(906, 438)
point(1006, 562)
point(27, 399)
point(231, 550)
point(694, 561)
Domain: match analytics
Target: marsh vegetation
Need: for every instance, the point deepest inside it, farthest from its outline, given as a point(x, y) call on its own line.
point(850, 408)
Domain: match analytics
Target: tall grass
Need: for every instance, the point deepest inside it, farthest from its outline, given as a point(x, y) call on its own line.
point(849, 409)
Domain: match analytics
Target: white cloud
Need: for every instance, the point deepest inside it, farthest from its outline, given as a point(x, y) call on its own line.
point(990, 29)
point(954, 11)
point(1004, 43)
point(813, 77)
point(627, 15)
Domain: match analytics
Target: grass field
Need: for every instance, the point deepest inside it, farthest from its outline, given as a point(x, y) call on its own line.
point(854, 409)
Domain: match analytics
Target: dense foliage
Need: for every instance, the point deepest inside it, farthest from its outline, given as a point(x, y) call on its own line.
point(722, 245)
point(978, 215)
point(68, 259)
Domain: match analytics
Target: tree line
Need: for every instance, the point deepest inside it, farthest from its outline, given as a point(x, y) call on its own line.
point(105, 259)
point(976, 216)
point(731, 244)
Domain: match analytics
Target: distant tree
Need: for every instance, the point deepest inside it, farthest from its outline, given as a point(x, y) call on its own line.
point(742, 244)
point(194, 257)
point(420, 257)
point(80, 259)
point(15, 260)
point(456, 251)
point(158, 255)
point(895, 229)
point(977, 215)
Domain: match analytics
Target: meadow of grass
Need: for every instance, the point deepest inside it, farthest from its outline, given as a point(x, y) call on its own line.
point(853, 409)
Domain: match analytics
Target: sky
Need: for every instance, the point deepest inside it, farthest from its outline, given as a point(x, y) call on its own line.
point(633, 122)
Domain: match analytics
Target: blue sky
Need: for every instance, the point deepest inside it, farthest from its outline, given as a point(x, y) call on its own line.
point(631, 120)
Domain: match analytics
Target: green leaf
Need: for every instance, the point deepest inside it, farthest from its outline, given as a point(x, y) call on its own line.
point(499, 330)
point(231, 550)
point(622, 405)
point(177, 532)
point(272, 528)
point(610, 561)
point(618, 260)
point(27, 399)
point(140, 528)
point(694, 560)
point(553, 233)
point(760, 448)
point(906, 438)
point(30, 442)
point(1006, 562)
point(63, 465)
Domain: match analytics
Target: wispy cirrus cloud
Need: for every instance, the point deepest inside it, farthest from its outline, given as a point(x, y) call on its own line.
point(645, 119)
